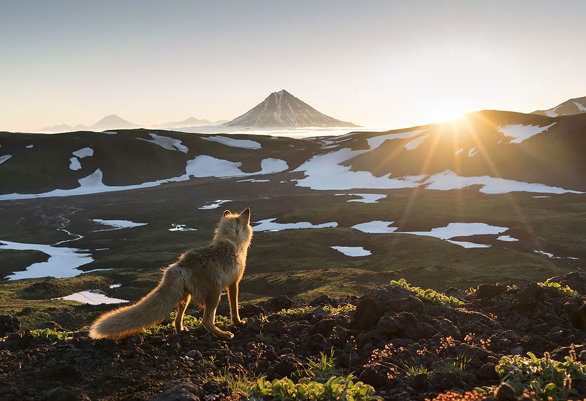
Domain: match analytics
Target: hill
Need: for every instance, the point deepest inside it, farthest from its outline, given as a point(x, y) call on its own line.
point(497, 151)
point(282, 109)
point(406, 343)
point(567, 108)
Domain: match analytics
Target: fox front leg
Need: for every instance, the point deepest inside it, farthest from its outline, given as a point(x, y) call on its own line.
point(209, 316)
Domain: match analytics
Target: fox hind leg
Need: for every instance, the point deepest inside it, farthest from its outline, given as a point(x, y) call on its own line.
point(181, 307)
point(209, 316)
point(233, 296)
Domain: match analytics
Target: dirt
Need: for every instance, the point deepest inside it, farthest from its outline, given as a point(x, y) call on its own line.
point(389, 331)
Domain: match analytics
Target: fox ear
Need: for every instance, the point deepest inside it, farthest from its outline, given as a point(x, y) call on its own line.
point(226, 213)
point(245, 215)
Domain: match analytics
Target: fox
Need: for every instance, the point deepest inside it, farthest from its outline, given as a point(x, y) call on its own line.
point(200, 274)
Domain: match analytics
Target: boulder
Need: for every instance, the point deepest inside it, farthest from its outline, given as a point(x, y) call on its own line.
point(366, 314)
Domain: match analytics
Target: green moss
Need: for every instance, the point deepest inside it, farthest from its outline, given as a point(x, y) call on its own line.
point(429, 295)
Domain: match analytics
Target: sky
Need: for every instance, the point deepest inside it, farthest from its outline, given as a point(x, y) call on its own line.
point(388, 64)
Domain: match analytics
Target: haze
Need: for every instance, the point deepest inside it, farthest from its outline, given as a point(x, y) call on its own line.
point(377, 63)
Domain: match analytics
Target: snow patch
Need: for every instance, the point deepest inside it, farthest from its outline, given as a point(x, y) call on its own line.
point(3, 158)
point(253, 180)
point(112, 286)
point(520, 132)
point(74, 164)
point(93, 297)
point(416, 142)
point(449, 180)
point(366, 198)
point(458, 151)
point(354, 251)
point(214, 205)
point(549, 255)
point(323, 172)
point(166, 142)
point(375, 141)
point(181, 227)
point(271, 225)
point(375, 227)
point(63, 262)
point(453, 230)
point(208, 166)
point(507, 238)
point(235, 143)
point(580, 106)
point(116, 224)
point(472, 152)
point(29, 146)
point(84, 152)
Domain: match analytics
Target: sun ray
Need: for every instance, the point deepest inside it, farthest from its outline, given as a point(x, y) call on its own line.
point(492, 166)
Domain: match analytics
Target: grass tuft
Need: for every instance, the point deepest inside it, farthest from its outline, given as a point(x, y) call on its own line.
point(564, 290)
point(429, 294)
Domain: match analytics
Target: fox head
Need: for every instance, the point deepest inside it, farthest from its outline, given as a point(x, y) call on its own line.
point(234, 227)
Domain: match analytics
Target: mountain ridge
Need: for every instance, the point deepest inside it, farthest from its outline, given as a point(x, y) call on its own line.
point(572, 106)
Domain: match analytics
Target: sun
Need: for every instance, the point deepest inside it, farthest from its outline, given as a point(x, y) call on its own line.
point(448, 108)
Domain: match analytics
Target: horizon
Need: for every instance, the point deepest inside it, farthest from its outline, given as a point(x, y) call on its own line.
point(387, 64)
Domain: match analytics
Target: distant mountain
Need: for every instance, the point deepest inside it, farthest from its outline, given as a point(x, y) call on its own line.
point(112, 122)
point(109, 122)
point(63, 128)
point(282, 109)
point(567, 108)
point(188, 122)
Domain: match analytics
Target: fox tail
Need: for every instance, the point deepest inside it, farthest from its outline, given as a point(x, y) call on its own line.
point(147, 312)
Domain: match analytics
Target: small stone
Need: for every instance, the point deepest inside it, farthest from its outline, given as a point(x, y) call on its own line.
point(321, 300)
point(487, 372)
point(489, 290)
point(420, 381)
point(249, 310)
point(278, 303)
point(505, 392)
point(8, 324)
point(177, 391)
point(518, 350)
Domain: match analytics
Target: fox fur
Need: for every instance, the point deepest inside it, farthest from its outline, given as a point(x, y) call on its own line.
point(199, 274)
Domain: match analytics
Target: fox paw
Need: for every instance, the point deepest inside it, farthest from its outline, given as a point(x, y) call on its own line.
point(226, 335)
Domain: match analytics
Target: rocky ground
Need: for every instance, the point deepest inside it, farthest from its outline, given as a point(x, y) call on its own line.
point(406, 346)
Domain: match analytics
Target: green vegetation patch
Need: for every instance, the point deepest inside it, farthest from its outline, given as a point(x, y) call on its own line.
point(429, 294)
point(564, 290)
point(335, 388)
point(547, 378)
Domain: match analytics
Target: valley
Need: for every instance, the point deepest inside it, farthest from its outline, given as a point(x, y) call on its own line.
point(336, 215)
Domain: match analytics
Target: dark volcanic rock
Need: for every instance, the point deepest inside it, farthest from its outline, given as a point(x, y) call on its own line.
point(576, 313)
point(367, 314)
point(278, 303)
point(321, 300)
point(51, 326)
point(490, 290)
point(249, 310)
point(8, 324)
point(506, 392)
point(65, 394)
